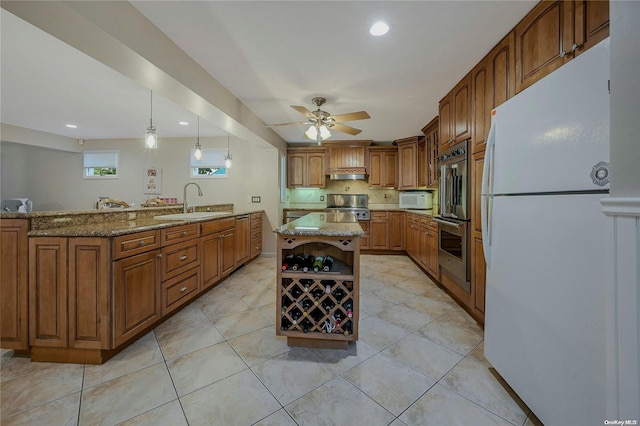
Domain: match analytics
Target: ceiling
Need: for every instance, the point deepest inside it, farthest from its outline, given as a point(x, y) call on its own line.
point(269, 55)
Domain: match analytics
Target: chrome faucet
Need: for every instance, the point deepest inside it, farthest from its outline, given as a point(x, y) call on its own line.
point(184, 198)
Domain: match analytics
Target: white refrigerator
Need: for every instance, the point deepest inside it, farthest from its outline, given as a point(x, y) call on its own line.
point(545, 172)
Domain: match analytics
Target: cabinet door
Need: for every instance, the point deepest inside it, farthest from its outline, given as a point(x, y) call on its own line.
point(477, 163)
point(478, 275)
point(502, 65)
point(432, 265)
point(211, 271)
point(461, 96)
point(315, 170)
point(423, 249)
point(422, 162)
point(227, 252)
point(591, 24)
point(296, 170)
point(396, 231)
point(136, 295)
point(445, 123)
point(408, 166)
point(544, 41)
point(379, 235)
point(89, 293)
point(432, 154)
point(242, 240)
point(364, 240)
point(256, 234)
point(390, 175)
point(375, 169)
point(48, 311)
point(481, 105)
point(14, 303)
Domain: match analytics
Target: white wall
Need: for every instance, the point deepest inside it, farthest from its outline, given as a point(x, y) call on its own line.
point(53, 179)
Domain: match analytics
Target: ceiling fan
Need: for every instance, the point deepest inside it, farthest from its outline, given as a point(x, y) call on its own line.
point(320, 121)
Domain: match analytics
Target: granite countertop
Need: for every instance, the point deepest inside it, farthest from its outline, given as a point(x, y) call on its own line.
point(390, 208)
point(326, 224)
point(75, 228)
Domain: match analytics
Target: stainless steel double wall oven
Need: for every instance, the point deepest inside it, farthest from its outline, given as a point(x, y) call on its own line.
point(453, 234)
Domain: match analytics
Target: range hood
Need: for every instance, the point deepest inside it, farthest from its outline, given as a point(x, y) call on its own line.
point(353, 173)
point(347, 159)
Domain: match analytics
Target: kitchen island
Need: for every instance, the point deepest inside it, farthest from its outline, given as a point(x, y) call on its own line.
point(81, 286)
point(318, 285)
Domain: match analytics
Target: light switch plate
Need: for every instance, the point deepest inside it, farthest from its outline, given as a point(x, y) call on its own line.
point(256, 199)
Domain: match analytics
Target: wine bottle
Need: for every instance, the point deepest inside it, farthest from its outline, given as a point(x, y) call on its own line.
point(306, 284)
point(317, 263)
point(306, 304)
point(287, 262)
point(298, 262)
point(349, 308)
point(296, 292)
point(338, 318)
point(295, 315)
point(284, 323)
point(347, 328)
point(327, 305)
point(338, 293)
point(327, 264)
point(306, 325)
point(308, 263)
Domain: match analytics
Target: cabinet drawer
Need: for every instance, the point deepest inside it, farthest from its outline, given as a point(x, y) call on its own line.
point(412, 218)
point(179, 290)
point(256, 245)
point(424, 221)
point(212, 226)
point(140, 242)
point(179, 233)
point(433, 224)
point(178, 258)
point(379, 215)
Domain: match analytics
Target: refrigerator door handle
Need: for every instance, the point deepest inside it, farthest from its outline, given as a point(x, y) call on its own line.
point(486, 198)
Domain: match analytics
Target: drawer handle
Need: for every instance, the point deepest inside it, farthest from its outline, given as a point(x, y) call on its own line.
point(183, 257)
point(184, 233)
point(183, 289)
point(141, 243)
point(159, 255)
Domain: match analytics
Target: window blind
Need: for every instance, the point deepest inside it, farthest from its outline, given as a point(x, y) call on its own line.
point(210, 158)
point(100, 159)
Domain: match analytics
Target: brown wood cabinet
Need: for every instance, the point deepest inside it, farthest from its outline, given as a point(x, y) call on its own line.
point(382, 166)
point(455, 114)
point(136, 295)
point(478, 277)
point(431, 154)
point(379, 230)
point(242, 240)
point(256, 234)
point(346, 157)
point(407, 163)
point(445, 117)
point(14, 301)
point(364, 240)
point(48, 292)
point(591, 23)
point(422, 242)
point(89, 293)
point(396, 230)
point(306, 168)
point(217, 250)
point(476, 253)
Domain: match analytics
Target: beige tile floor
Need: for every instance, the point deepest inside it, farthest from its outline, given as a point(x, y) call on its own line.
point(419, 361)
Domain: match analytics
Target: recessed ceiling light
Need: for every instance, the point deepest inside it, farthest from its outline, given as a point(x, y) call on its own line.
point(379, 28)
point(71, 126)
point(183, 123)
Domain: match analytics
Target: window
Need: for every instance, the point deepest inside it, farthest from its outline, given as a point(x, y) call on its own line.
point(100, 164)
point(211, 165)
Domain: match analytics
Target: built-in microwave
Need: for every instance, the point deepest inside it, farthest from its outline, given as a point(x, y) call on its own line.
point(419, 200)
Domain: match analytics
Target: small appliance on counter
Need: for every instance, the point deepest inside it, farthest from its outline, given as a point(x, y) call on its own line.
point(19, 205)
point(417, 200)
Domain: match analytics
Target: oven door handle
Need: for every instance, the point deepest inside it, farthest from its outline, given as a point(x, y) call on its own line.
point(446, 222)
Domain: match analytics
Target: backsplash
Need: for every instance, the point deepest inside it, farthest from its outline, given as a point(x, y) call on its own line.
point(316, 198)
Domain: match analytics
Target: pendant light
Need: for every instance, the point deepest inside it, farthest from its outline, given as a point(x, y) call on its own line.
point(227, 159)
point(151, 138)
point(197, 154)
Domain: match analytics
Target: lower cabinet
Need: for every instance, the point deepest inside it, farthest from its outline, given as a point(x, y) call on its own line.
point(386, 230)
point(14, 272)
point(242, 251)
point(255, 220)
point(422, 242)
point(364, 240)
point(136, 295)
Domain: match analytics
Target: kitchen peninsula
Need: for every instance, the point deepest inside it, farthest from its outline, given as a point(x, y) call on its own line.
point(318, 285)
point(84, 285)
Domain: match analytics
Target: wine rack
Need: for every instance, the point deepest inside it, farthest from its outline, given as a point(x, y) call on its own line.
point(319, 308)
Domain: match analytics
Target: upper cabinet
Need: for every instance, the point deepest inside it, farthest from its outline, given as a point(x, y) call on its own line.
point(382, 166)
point(407, 163)
point(347, 157)
point(455, 114)
point(306, 168)
point(553, 33)
point(428, 165)
point(492, 82)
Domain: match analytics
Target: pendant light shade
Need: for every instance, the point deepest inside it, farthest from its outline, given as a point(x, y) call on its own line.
point(227, 159)
point(197, 153)
point(318, 133)
point(151, 137)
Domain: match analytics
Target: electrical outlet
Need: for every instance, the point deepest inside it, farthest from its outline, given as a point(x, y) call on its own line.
point(347, 189)
point(256, 199)
point(322, 198)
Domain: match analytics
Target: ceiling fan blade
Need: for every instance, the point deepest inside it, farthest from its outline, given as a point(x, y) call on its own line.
point(302, 110)
point(296, 123)
point(345, 129)
point(360, 115)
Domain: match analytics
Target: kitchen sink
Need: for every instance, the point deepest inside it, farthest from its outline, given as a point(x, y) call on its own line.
point(191, 216)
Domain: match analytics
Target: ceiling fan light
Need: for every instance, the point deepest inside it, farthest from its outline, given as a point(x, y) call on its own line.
point(324, 132)
point(312, 133)
point(151, 138)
